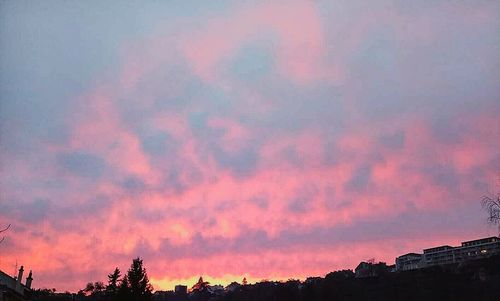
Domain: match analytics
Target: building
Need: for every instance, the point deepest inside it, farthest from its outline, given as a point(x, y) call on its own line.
point(469, 250)
point(364, 269)
point(12, 288)
point(410, 261)
point(438, 256)
point(479, 248)
point(181, 289)
point(233, 286)
point(164, 296)
point(313, 280)
point(443, 255)
point(216, 289)
point(371, 269)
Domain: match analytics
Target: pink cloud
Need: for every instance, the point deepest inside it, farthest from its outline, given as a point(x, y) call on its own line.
point(300, 49)
point(306, 191)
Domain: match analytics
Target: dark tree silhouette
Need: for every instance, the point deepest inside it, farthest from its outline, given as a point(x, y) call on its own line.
point(200, 291)
point(135, 285)
point(123, 290)
point(89, 288)
point(99, 287)
point(3, 230)
point(200, 285)
point(491, 204)
point(113, 282)
point(94, 288)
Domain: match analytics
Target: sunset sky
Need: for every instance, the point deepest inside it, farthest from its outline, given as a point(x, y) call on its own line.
point(258, 139)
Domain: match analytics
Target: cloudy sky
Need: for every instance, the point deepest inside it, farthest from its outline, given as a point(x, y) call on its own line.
point(265, 139)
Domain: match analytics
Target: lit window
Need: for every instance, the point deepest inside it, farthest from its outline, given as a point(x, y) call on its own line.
point(484, 251)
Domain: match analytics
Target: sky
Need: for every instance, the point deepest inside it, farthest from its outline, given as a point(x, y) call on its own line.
point(258, 139)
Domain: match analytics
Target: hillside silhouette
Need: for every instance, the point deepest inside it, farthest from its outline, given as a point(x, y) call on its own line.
point(474, 280)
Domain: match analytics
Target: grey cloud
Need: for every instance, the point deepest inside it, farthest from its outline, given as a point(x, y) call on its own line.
point(448, 131)
point(292, 156)
point(148, 216)
point(156, 144)
point(180, 176)
point(69, 216)
point(133, 184)
point(304, 196)
point(27, 212)
point(443, 175)
point(331, 201)
point(394, 140)
point(394, 74)
point(82, 164)
point(360, 179)
point(242, 163)
point(297, 108)
point(36, 211)
point(298, 205)
point(260, 202)
point(53, 52)
point(254, 60)
point(61, 215)
point(226, 206)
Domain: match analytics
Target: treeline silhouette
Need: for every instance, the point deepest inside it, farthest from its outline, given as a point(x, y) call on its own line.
point(133, 286)
point(474, 280)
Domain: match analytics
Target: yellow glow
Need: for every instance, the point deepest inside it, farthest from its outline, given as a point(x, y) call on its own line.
point(129, 245)
point(180, 230)
point(169, 284)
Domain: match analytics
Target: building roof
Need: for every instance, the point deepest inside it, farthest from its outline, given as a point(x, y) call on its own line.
point(437, 249)
point(410, 254)
point(481, 241)
point(6, 279)
point(363, 264)
point(11, 289)
point(11, 282)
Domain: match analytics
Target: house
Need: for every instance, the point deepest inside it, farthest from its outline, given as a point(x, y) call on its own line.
point(410, 261)
point(12, 289)
point(313, 280)
point(216, 289)
point(233, 286)
point(164, 296)
point(180, 293)
point(180, 289)
point(371, 269)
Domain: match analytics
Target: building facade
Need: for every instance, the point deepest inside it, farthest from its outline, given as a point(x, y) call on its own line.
point(12, 288)
point(407, 262)
point(181, 289)
point(442, 255)
point(371, 269)
point(438, 255)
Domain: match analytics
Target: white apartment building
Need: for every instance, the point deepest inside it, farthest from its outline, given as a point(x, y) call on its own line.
point(469, 250)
